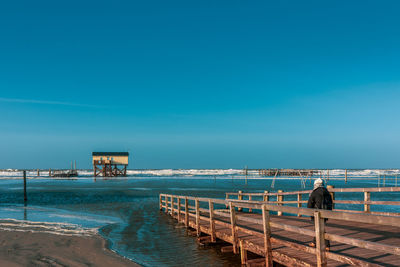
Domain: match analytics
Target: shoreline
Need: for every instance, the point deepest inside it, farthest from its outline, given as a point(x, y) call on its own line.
point(25, 245)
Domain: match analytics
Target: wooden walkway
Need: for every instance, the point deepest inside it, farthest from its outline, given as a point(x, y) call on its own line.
point(356, 239)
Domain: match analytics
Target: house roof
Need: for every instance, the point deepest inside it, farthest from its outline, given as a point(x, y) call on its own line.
point(110, 153)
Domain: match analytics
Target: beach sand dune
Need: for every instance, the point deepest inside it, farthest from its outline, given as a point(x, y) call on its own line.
point(46, 249)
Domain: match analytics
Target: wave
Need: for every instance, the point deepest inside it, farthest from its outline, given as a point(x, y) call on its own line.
point(46, 227)
point(32, 174)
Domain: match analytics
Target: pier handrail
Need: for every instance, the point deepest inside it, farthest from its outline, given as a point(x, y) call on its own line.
point(168, 203)
point(367, 202)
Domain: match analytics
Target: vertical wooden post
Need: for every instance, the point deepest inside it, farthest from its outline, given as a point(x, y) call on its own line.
point(327, 175)
point(330, 187)
point(25, 196)
point(212, 223)
point(186, 212)
point(367, 197)
point(243, 253)
point(197, 217)
point(320, 239)
point(250, 198)
point(298, 203)
point(279, 198)
point(345, 176)
point(49, 172)
point(38, 172)
point(379, 180)
point(161, 202)
point(265, 196)
point(179, 209)
point(172, 206)
point(233, 228)
point(166, 203)
point(267, 237)
point(240, 197)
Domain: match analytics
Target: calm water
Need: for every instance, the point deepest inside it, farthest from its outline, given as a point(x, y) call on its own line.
point(127, 211)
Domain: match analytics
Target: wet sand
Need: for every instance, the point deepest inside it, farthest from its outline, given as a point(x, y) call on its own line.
point(24, 248)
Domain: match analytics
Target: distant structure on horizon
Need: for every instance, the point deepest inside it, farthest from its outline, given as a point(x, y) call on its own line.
point(110, 164)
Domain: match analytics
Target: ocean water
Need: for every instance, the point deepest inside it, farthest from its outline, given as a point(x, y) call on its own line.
point(126, 211)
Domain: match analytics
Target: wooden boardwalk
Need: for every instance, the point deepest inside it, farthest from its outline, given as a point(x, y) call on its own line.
point(254, 226)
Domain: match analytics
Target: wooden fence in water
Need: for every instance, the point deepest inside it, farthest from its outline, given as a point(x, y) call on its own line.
point(260, 227)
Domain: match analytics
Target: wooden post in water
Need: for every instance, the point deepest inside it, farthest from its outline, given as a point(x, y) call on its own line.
point(330, 187)
point(320, 239)
point(240, 197)
point(212, 222)
point(25, 196)
point(267, 237)
point(345, 176)
point(279, 198)
point(186, 212)
point(367, 197)
point(197, 217)
point(49, 172)
point(233, 228)
point(38, 172)
point(161, 202)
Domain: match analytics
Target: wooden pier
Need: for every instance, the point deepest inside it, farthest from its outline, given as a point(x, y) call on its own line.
point(264, 231)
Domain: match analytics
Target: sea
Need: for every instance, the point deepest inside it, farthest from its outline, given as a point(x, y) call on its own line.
point(125, 210)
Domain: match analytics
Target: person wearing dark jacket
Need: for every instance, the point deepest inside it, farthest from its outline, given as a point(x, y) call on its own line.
point(320, 199)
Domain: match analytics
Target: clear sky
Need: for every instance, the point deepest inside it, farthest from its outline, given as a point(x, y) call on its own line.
point(200, 84)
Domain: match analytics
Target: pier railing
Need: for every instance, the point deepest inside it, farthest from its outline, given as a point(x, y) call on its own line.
point(301, 197)
point(202, 215)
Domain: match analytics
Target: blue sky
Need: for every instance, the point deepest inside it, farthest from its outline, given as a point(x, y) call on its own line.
point(200, 84)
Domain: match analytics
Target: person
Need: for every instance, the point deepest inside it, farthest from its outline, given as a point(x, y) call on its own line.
point(320, 198)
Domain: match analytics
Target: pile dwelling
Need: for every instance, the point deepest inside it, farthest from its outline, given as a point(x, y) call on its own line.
point(110, 164)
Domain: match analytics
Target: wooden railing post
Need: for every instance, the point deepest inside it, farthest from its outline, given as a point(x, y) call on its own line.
point(298, 203)
point(243, 253)
point(212, 222)
point(279, 198)
point(250, 198)
point(161, 205)
point(179, 209)
point(330, 187)
point(233, 228)
point(267, 237)
point(186, 212)
point(265, 196)
point(166, 203)
point(240, 197)
point(172, 206)
point(197, 216)
point(367, 197)
point(320, 239)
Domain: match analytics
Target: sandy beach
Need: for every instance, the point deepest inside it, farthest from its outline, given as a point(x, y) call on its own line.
point(29, 247)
